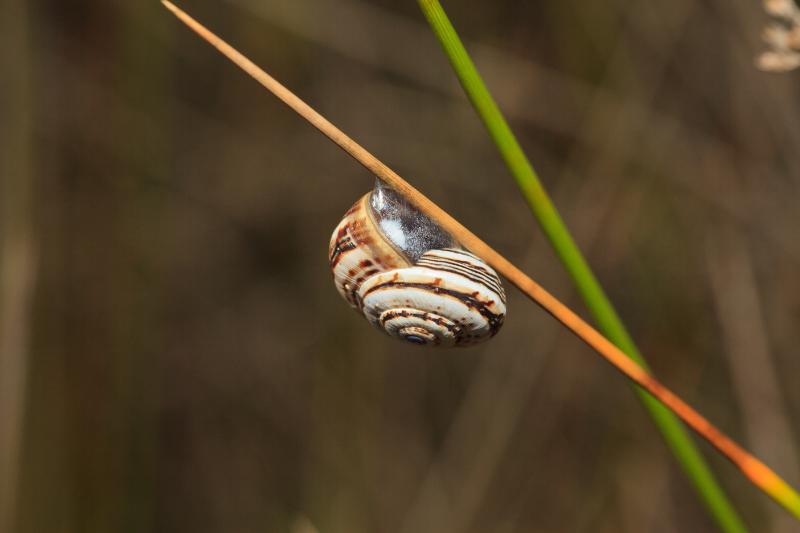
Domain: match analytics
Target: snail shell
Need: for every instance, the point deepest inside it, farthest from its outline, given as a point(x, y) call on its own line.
point(410, 278)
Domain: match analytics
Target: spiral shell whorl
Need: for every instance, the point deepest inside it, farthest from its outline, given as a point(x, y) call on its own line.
point(450, 293)
point(447, 297)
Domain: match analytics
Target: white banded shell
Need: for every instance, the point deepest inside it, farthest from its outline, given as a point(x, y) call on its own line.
point(409, 278)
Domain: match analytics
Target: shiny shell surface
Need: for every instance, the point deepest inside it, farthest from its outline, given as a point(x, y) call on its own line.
point(409, 278)
point(450, 298)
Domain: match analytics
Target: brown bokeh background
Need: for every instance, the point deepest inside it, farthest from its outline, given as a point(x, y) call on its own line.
point(175, 357)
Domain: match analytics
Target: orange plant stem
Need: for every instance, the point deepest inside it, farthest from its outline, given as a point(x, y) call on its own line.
point(756, 471)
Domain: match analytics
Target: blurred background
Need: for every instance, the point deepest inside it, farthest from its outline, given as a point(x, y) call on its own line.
point(174, 356)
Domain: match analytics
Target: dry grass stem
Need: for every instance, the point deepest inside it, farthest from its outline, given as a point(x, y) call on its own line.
point(757, 472)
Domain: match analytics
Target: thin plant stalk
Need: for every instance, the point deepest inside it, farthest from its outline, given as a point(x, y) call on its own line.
point(609, 322)
point(589, 288)
point(756, 471)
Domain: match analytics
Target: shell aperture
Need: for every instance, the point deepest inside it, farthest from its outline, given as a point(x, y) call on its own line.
point(410, 231)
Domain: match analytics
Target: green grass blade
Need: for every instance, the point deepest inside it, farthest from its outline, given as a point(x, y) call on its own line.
point(674, 433)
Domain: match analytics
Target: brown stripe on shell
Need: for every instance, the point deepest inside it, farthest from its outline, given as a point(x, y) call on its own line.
point(473, 262)
point(495, 320)
point(341, 248)
point(461, 252)
point(471, 271)
point(389, 315)
point(350, 236)
point(341, 233)
point(359, 230)
point(341, 236)
point(476, 263)
point(465, 270)
point(366, 274)
point(350, 293)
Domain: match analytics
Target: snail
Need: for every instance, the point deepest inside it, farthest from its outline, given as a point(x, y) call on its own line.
point(410, 278)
